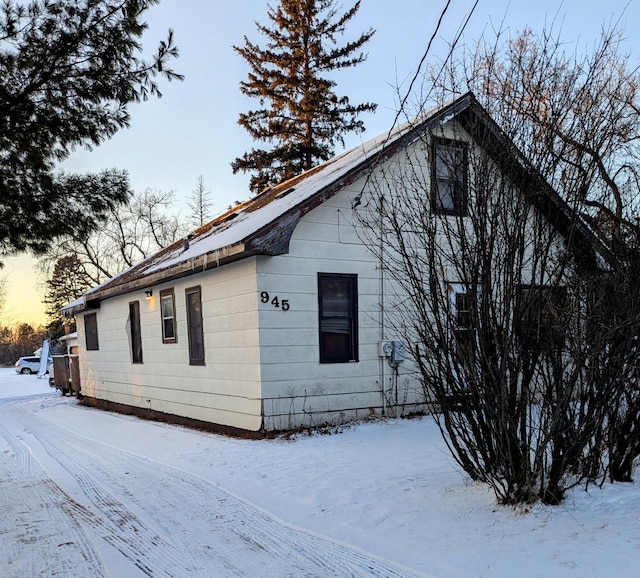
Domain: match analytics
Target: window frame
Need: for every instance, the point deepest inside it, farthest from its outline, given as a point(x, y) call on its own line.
point(163, 295)
point(91, 341)
point(135, 332)
point(459, 186)
point(350, 352)
point(195, 357)
point(464, 320)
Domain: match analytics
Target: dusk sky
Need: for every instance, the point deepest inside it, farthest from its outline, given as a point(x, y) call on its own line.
point(193, 129)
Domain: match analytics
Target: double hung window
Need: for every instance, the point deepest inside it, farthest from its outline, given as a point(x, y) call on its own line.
point(449, 178)
point(136, 335)
point(91, 331)
point(463, 311)
point(338, 317)
point(195, 332)
point(168, 316)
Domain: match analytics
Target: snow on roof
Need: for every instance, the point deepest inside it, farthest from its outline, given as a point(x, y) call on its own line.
point(235, 226)
point(69, 336)
point(73, 305)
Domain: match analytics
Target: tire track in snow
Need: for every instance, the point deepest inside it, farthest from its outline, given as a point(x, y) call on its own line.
point(259, 534)
point(35, 508)
point(115, 522)
point(119, 526)
point(164, 493)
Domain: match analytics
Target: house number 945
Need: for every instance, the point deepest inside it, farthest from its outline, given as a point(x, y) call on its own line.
point(275, 301)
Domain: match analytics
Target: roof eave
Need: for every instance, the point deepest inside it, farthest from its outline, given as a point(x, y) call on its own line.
point(200, 263)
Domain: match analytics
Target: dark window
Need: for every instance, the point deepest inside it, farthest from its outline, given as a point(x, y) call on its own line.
point(542, 317)
point(338, 311)
point(449, 178)
point(464, 320)
point(168, 315)
point(91, 331)
point(136, 336)
point(194, 326)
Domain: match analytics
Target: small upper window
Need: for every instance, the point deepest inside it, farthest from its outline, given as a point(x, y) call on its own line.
point(449, 178)
point(168, 315)
point(91, 331)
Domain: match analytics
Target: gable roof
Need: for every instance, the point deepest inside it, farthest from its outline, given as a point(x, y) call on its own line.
point(263, 225)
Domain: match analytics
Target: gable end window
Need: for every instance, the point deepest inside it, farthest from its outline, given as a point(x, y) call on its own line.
point(338, 317)
point(449, 177)
point(195, 331)
point(136, 335)
point(168, 316)
point(91, 332)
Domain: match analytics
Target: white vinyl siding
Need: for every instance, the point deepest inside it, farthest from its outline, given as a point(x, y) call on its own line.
point(297, 388)
point(226, 391)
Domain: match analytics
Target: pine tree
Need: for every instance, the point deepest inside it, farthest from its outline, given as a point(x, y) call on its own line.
point(305, 118)
point(68, 71)
point(200, 204)
point(68, 281)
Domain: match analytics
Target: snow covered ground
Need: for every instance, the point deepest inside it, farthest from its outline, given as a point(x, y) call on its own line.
point(85, 493)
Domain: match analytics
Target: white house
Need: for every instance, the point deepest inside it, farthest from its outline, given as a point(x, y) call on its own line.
point(269, 317)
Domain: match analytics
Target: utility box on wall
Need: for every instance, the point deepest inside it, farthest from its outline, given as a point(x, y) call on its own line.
point(393, 350)
point(384, 348)
point(397, 352)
